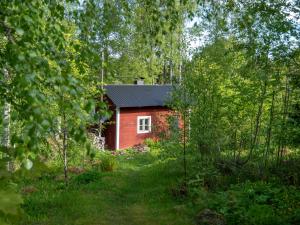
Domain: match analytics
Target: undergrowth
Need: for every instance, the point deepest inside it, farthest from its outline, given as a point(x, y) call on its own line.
point(131, 187)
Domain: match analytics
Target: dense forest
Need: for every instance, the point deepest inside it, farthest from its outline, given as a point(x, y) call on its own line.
point(235, 70)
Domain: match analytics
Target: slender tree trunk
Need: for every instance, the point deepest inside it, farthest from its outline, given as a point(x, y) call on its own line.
point(171, 60)
point(164, 73)
point(150, 64)
point(184, 148)
point(282, 138)
point(269, 131)
point(181, 56)
point(6, 126)
point(180, 72)
point(65, 148)
point(189, 123)
point(235, 144)
point(257, 123)
point(100, 138)
point(171, 71)
point(258, 117)
point(240, 147)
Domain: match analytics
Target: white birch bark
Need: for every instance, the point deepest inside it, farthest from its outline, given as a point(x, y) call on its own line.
point(100, 138)
point(6, 124)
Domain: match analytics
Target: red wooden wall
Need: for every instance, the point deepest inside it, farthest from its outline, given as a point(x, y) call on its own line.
point(128, 126)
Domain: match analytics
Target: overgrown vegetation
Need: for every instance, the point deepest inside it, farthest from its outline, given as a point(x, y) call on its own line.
point(137, 191)
point(146, 188)
point(235, 159)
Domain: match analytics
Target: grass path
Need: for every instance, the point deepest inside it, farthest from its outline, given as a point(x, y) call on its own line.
point(137, 193)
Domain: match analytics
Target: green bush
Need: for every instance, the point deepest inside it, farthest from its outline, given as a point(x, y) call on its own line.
point(288, 171)
point(108, 163)
point(206, 177)
point(88, 177)
point(150, 142)
point(257, 203)
point(295, 217)
point(263, 215)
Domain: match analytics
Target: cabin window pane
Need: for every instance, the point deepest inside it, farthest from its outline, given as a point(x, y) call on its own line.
point(144, 124)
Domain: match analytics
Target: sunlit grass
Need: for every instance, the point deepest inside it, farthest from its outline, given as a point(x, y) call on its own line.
point(137, 192)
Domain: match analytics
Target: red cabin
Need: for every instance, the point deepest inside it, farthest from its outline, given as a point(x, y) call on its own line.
point(139, 112)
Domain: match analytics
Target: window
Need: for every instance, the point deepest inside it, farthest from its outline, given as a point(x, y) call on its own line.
point(143, 124)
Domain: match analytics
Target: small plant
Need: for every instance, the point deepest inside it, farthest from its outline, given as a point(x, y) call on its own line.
point(108, 164)
point(150, 142)
point(179, 191)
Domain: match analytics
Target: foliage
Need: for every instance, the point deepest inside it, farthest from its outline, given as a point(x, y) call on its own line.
point(88, 177)
point(258, 203)
point(134, 39)
point(150, 143)
point(132, 194)
point(108, 163)
point(238, 96)
point(40, 81)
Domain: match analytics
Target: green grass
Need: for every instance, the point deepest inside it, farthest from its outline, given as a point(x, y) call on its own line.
point(143, 189)
point(136, 193)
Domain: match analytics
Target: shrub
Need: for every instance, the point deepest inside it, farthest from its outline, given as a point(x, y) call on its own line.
point(88, 177)
point(263, 215)
point(287, 171)
point(205, 176)
point(295, 217)
point(257, 203)
point(150, 142)
point(108, 164)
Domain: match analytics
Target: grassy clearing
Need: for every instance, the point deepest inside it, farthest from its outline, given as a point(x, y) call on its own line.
point(137, 192)
point(144, 189)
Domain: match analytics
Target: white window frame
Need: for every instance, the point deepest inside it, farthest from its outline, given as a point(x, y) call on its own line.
point(138, 124)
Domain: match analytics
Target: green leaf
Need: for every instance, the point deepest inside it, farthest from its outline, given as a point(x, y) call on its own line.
point(19, 31)
point(27, 163)
point(21, 57)
point(45, 123)
point(32, 54)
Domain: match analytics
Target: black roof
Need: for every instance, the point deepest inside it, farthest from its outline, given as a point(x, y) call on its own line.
point(138, 95)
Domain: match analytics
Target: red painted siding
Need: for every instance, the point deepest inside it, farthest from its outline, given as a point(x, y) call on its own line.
point(128, 126)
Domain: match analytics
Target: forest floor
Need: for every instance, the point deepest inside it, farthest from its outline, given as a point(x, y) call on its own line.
point(138, 192)
point(143, 189)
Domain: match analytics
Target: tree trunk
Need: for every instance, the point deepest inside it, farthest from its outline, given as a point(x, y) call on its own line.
point(282, 138)
point(184, 148)
point(185, 114)
point(164, 73)
point(235, 143)
point(257, 123)
point(65, 148)
point(6, 126)
point(100, 138)
point(171, 61)
point(269, 131)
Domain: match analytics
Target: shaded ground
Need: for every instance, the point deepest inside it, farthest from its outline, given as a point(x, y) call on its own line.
point(137, 193)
